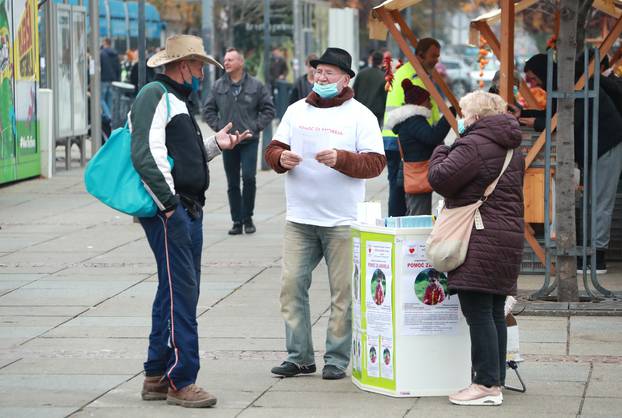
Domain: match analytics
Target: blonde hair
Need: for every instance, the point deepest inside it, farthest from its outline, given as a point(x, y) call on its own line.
point(479, 104)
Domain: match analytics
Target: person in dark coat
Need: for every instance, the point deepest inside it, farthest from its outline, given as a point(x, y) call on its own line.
point(110, 71)
point(304, 83)
point(461, 173)
point(609, 163)
point(416, 137)
point(369, 87)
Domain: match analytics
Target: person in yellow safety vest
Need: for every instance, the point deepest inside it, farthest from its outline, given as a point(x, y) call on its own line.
point(428, 51)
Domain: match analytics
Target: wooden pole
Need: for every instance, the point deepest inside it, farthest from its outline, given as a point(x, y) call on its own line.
point(440, 82)
point(507, 51)
point(389, 22)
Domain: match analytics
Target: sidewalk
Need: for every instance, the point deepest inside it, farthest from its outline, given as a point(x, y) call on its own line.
point(76, 285)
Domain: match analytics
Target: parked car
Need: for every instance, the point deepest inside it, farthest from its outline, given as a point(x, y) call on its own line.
point(467, 53)
point(458, 75)
point(488, 72)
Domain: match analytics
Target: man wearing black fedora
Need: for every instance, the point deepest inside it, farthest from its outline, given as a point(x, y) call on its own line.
point(327, 145)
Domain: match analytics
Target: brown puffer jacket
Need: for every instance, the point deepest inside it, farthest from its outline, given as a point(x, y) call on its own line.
point(461, 173)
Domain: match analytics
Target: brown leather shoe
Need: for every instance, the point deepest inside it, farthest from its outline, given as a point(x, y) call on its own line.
point(155, 388)
point(191, 396)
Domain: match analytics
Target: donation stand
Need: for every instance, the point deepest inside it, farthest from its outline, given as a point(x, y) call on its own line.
point(409, 336)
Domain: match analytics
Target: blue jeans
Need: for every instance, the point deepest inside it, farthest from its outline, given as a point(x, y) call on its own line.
point(244, 157)
point(176, 243)
point(106, 98)
point(303, 248)
point(397, 200)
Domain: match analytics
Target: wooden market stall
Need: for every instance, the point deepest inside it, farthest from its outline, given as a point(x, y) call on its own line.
point(387, 18)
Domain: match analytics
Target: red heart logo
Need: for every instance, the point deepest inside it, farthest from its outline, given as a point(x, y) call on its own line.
point(411, 250)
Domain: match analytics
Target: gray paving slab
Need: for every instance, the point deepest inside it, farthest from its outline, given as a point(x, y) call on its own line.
point(606, 381)
point(601, 407)
point(39, 310)
point(72, 366)
point(514, 405)
point(154, 410)
point(34, 412)
point(55, 390)
point(554, 372)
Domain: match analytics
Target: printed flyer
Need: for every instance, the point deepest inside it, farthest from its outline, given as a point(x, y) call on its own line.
point(427, 307)
point(356, 283)
point(373, 369)
point(378, 278)
point(386, 370)
point(356, 350)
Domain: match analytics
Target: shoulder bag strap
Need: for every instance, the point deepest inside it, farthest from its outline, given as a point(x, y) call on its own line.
point(506, 163)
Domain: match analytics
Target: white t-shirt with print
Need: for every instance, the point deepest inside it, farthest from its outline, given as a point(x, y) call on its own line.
point(317, 194)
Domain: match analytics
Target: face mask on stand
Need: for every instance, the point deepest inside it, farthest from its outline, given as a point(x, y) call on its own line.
point(326, 91)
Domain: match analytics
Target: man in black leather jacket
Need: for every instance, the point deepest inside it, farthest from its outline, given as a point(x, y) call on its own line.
point(244, 100)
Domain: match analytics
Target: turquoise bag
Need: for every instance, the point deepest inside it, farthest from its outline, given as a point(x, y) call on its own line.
point(111, 177)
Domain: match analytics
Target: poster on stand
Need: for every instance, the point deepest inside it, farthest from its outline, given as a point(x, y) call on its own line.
point(386, 370)
point(378, 277)
point(372, 354)
point(356, 283)
point(428, 309)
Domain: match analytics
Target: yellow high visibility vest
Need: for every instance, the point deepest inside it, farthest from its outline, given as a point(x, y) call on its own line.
point(395, 97)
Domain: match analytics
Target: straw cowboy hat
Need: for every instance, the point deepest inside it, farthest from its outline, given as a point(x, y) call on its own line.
point(182, 47)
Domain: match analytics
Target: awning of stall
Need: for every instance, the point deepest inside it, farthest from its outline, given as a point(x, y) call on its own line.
point(377, 29)
point(611, 7)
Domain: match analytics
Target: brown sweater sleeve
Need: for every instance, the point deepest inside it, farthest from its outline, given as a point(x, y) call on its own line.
point(364, 165)
point(273, 155)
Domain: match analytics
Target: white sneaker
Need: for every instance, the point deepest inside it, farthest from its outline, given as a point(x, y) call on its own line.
point(477, 395)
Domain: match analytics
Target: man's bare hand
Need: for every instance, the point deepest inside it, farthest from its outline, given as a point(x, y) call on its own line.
point(289, 159)
point(226, 140)
point(530, 122)
point(169, 213)
point(327, 157)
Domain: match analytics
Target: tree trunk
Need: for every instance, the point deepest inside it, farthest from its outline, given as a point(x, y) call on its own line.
point(564, 183)
point(583, 11)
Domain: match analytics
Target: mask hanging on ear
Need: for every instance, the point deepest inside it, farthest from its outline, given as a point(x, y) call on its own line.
point(461, 126)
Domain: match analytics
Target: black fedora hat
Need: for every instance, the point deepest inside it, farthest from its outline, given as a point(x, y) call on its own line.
point(337, 57)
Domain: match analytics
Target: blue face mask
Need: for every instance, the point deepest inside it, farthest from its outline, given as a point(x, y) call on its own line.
point(515, 91)
point(196, 83)
point(461, 127)
point(325, 91)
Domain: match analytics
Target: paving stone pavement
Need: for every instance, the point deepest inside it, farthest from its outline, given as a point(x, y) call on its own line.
point(77, 280)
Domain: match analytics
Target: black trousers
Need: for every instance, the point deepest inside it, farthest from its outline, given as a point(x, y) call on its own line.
point(484, 314)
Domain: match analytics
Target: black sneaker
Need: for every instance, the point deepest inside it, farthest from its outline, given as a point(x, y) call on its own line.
point(601, 264)
point(236, 229)
point(331, 372)
point(249, 227)
point(289, 369)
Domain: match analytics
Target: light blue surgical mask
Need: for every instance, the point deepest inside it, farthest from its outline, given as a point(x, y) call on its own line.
point(515, 91)
point(326, 91)
point(461, 127)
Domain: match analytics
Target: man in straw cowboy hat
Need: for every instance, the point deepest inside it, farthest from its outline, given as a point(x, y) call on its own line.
point(327, 144)
point(171, 156)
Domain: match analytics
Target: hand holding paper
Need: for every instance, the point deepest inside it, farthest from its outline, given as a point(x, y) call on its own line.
point(327, 157)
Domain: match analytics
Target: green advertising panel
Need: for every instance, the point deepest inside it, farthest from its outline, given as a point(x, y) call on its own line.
point(19, 74)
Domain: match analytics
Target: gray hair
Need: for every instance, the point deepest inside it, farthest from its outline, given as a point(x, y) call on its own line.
point(479, 104)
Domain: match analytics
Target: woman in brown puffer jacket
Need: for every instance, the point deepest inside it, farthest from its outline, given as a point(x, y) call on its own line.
point(461, 173)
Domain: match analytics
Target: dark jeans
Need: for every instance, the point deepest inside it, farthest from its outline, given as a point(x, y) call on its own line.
point(397, 201)
point(484, 314)
point(176, 243)
point(242, 158)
